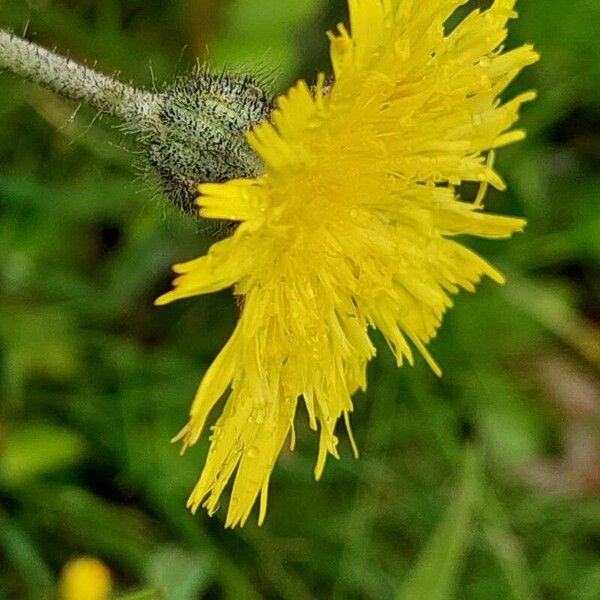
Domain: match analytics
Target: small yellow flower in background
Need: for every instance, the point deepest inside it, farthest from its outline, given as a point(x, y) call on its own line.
point(85, 578)
point(350, 227)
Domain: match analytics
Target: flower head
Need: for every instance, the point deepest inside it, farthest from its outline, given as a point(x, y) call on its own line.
point(350, 227)
point(85, 578)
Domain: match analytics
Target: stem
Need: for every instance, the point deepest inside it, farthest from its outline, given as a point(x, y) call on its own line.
point(191, 132)
point(73, 81)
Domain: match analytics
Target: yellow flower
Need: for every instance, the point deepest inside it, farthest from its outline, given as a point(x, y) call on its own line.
point(85, 578)
point(350, 227)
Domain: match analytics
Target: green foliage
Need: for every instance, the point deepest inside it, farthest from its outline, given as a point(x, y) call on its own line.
point(32, 450)
point(94, 380)
point(436, 575)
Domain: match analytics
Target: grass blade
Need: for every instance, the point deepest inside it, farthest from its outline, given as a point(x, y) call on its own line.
point(436, 574)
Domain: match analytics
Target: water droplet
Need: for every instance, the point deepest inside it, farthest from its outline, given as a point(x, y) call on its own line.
point(402, 48)
point(252, 452)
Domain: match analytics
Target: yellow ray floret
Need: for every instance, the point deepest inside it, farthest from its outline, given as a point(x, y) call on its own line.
point(350, 227)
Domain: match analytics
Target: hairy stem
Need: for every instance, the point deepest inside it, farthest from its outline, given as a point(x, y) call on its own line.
point(74, 81)
point(191, 132)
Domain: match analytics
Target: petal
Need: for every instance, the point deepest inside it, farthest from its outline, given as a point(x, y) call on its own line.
point(237, 200)
point(219, 269)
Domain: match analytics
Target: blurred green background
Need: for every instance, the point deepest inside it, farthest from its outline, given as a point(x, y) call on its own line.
point(482, 485)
